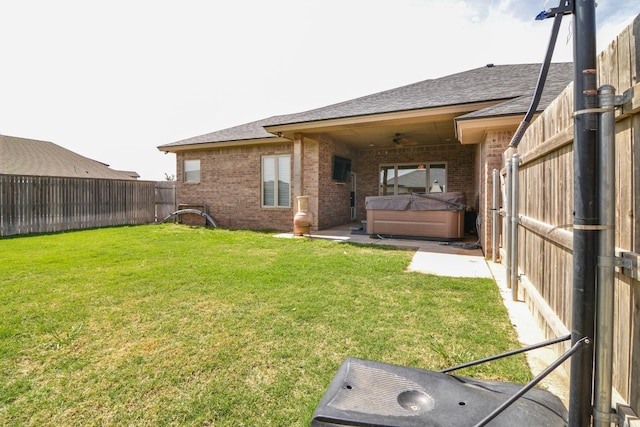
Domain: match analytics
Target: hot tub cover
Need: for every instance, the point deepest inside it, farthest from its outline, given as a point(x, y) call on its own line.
point(454, 201)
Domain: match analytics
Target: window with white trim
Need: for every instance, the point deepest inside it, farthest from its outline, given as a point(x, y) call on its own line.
point(413, 178)
point(276, 181)
point(192, 171)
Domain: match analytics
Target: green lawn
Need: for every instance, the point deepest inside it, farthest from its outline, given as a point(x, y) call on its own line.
point(172, 325)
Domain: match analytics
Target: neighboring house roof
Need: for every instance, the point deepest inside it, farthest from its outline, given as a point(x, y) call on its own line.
point(413, 179)
point(508, 87)
point(21, 156)
point(130, 174)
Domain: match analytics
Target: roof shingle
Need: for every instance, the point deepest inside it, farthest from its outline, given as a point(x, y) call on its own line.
point(487, 83)
point(21, 156)
point(512, 83)
point(253, 130)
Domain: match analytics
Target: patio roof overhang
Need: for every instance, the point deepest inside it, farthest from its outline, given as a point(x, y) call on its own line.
point(419, 127)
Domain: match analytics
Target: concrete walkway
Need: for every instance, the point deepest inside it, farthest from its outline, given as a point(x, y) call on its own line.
point(464, 259)
point(528, 334)
point(452, 265)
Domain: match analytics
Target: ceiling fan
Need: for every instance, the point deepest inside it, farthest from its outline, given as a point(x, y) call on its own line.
point(400, 141)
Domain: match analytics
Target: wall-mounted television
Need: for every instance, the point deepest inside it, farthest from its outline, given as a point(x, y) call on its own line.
point(341, 169)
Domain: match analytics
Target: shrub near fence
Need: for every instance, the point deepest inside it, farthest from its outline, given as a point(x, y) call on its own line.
point(44, 204)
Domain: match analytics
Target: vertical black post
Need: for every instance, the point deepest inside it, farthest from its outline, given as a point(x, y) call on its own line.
point(585, 212)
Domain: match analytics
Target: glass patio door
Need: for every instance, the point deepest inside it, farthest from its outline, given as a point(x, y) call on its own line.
point(413, 178)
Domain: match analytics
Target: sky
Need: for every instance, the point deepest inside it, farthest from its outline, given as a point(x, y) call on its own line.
point(113, 80)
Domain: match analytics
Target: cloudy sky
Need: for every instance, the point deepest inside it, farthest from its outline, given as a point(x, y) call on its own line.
point(112, 80)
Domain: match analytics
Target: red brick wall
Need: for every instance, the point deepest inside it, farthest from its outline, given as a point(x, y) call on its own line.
point(460, 168)
point(310, 172)
point(230, 180)
point(492, 158)
point(230, 184)
point(333, 196)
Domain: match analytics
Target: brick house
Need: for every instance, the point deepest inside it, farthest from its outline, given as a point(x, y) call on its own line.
point(453, 130)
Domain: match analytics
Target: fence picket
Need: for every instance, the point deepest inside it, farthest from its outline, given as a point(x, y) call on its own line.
point(547, 205)
point(43, 204)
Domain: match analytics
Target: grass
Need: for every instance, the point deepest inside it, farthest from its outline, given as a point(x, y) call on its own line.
point(171, 325)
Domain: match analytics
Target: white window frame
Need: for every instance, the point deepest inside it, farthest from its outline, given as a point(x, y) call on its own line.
point(428, 180)
point(276, 200)
point(188, 169)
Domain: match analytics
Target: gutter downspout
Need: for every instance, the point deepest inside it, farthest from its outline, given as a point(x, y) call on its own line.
point(585, 212)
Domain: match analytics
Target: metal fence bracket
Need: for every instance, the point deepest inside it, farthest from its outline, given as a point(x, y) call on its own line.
point(626, 417)
point(628, 261)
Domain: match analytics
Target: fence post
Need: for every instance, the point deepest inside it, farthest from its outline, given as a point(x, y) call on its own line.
point(515, 220)
point(494, 211)
point(606, 259)
point(508, 228)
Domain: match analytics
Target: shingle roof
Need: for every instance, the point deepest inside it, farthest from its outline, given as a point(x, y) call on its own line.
point(21, 156)
point(560, 75)
point(512, 83)
point(487, 83)
point(253, 130)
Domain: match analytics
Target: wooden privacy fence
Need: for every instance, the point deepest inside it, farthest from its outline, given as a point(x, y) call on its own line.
point(44, 204)
point(165, 199)
point(545, 205)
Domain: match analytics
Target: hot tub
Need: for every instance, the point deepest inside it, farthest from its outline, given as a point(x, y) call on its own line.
point(432, 216)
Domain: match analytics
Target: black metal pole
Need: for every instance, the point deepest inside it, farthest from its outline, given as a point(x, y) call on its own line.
point(507, 354)
point(585, 211)
point(572, 351)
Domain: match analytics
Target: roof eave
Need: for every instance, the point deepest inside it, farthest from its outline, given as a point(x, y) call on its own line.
point(474, 130)
point(221, 144)
point(378, 117)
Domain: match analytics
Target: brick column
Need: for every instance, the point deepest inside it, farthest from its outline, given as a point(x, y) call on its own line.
point(297, 167)
point(492, 158)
